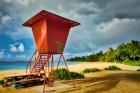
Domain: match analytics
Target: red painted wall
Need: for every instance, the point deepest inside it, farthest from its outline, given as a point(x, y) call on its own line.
point(50, 31)
point(50, 36)
point(40, 35)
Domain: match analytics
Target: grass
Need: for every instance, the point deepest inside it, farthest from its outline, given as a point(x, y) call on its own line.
point(132, 63)
point(88, 70)
point(113, 68)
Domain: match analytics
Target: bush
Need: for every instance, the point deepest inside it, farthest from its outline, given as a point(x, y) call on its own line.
point(76, 75)
point(63, 74)
point(138, 69)
point(112, 68)
point(88, 70)
point(1, 81)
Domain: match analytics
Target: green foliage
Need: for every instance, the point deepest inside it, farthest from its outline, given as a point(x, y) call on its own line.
point(80, 59)
point(109, 55)
point(63, 74)
point(132, 63)
point(112, 68)
point(76, 75)
point(90, 58)
point(129, 51)
point(88, 70)
point(1, 81)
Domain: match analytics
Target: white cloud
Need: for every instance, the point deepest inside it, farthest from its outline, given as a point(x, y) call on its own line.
point(86, 37)
point(17, 47)
point(1, 54)
point(20, 34)
point(72, 9)
point(119, 28)
point(60, 8)
point(24, 2)
point(21, 47)
point(5, 19)
point(13, 48)
point(21, 2)
point(71, 55)
point(105, 35)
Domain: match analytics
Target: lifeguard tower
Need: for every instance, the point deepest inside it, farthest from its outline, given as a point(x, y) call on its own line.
point(50, 33)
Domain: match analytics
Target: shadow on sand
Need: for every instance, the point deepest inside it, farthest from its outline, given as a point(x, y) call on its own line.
point(101, 84)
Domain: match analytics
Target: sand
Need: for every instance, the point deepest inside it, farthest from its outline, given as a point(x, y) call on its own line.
point(100, 65)
point(79, 67)
point(11, 72)
point(108, 82)
point(125, 81)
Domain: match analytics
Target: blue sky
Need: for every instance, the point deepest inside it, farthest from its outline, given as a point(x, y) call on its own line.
point(104, 24)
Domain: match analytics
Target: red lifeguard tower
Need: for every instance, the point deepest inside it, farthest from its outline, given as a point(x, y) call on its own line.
point(50, 33)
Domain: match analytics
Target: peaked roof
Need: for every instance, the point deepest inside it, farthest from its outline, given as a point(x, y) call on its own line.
point(43, 14)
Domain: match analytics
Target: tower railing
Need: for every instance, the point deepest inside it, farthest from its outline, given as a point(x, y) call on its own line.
point(31, 61)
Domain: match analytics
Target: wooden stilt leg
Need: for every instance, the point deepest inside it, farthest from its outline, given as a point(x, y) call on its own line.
point(66, 66)
point(52, 69)
point(52, 63)
point(58, 62)
point(49, 68)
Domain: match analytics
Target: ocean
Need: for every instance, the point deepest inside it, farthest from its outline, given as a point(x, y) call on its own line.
point(21, 65)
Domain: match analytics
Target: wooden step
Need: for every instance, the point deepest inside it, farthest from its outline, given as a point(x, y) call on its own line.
point(37, 68)
point(39, 65)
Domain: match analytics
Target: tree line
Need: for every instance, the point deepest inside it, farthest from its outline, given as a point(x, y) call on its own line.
point(129, 51)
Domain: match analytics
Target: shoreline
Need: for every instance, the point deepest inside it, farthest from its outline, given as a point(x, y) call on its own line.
point(102, 66)
point(83, 65)
point(99, 65)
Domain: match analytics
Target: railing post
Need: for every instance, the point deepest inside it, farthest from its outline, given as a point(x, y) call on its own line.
point(30, 61)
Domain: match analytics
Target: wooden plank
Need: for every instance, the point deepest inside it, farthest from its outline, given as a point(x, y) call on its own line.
point(18, 75)
point(28, 80)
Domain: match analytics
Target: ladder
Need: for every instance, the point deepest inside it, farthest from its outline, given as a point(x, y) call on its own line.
point(37, 62)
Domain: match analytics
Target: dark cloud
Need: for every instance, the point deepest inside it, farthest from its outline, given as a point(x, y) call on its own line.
point(104, 23)
point(121, 9)
point(107, 34)
point(86, 12)
point(9, 18)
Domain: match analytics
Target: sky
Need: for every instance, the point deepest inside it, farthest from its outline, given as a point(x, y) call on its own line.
point(104, 24)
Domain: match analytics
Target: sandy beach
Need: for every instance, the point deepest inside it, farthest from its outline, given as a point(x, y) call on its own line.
point(79, 67)
point(97, 82)
point(100, 65)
